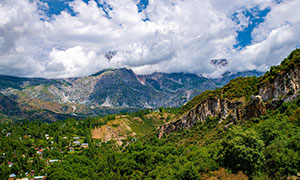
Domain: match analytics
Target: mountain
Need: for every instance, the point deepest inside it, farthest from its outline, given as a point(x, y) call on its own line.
point(106, 92)
point(219, 62)
point(242, 98)
point(227, 76)
point(248, 129)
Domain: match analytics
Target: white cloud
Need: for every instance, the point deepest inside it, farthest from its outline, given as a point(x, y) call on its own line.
point(273, 39)
point(180, 36)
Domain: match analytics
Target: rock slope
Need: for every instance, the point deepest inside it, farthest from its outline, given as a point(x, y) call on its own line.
point(108, 91)
point(242, 98)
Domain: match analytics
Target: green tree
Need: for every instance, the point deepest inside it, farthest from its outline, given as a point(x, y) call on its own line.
point(241, 150)
point(188, 172)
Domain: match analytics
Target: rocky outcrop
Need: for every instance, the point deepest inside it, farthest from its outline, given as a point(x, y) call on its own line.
point(255, 108)
point(284, 86)
point(108, 91)
point(115, 88)
point(273, 89)
point(280, 84)
point(233, 110)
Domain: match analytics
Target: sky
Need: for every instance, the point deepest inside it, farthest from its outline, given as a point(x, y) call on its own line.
point(74, 38)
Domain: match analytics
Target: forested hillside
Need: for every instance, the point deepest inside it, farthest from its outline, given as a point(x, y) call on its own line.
point(252, 131)
point(261, 148)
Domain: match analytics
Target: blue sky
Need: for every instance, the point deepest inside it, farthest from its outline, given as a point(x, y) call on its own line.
point(255, 15)
point(67, 38)
point(57, 6)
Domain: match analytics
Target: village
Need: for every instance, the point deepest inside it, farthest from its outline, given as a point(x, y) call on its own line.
point(48, 154)
point(75, 145)
point(29, 149)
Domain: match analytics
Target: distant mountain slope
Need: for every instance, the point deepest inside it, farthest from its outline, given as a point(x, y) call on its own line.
point(242, 98)
point(226, 77)
point(108, 91)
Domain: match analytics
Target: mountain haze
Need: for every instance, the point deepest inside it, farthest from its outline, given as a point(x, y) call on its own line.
point(242, 98)
point(106, 92)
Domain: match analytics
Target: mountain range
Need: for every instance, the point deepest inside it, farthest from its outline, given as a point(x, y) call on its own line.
point(106, 92)
point(242, 98)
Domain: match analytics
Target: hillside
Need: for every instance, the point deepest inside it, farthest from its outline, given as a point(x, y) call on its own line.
point(243, 98)
point(121, 127)
point(249, 129)
point(106, 92)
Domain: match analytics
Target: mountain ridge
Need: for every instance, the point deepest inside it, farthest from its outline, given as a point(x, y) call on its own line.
point(107, 89)
point(242, 98)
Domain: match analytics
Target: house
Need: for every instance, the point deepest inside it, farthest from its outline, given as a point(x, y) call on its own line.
point(76, 143)
point(12, 176)
point(39, 177)
point(53, 160)
point(10, 164)
point(40, 151)
point(65, 137)
point(8, 134)
point(71, 149)
point(76, 137)
point(84, 145)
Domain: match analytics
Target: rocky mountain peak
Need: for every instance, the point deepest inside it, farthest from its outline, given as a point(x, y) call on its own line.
point(219, 62)
point(110, 88)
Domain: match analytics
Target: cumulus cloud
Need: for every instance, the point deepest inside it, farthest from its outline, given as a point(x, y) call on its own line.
point(273, 39)
point(167, 36)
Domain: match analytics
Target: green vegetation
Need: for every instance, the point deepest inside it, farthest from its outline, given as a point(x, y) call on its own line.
point(288, 63)
point(103, 71)
point(260, 148)
point(200, 98)
point(237, 88)
point(265, 147)
point(245, 86)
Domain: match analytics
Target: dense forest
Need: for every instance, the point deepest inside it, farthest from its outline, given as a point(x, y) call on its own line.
point(264, 147)
point(260, 148)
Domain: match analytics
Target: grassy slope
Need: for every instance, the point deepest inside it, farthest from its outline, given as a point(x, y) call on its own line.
point(245, 86)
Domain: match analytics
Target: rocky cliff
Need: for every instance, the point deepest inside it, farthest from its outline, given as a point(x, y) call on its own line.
point(225, 109)
point(280, 84)
point(283, 86)
point(108, 91)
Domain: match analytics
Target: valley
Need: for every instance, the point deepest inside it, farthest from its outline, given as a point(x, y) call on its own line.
point(110, 91)
point(248, 129)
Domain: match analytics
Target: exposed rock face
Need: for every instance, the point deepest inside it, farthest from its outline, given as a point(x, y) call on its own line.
point(108, 91)
point(219, 62)
point(212, 107)
point(284, 86)
point(255, 108)
point(116, 88)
